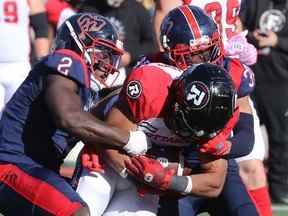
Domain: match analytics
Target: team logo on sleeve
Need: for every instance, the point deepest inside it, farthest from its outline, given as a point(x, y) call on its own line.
point(134, 89)
point(198, 96)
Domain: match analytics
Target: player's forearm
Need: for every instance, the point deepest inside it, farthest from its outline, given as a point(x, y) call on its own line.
point(208, 184)
point(91, 130)
point(41, 47)
point(200, 185)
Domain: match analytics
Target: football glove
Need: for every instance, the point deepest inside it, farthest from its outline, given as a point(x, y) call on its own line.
point(91, 160)
point(150, 172)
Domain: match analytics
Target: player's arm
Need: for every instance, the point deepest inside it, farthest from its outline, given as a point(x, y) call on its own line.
point(207, 183)
point(64, 103)
point(243, 133)
point(162, 7)
point(116, 158)
point(39, 23)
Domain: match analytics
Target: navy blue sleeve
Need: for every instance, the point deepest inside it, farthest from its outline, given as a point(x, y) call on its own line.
point(243, 138)
point(247, 83)
point(69, 64)
point(103, 108)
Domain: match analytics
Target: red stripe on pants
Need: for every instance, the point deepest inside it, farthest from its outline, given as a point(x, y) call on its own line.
point(37, 191)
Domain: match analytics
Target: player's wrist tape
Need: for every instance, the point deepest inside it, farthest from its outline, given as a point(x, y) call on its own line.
point(189, 186)
point(137, 144)
point(123, 173)
point(181, 184)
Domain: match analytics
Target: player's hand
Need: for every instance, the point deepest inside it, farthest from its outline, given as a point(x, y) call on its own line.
point(90, 160)
point(238, 46)
point(269, 40)
point(115, 159)
point(150, 172)
point(219, 145)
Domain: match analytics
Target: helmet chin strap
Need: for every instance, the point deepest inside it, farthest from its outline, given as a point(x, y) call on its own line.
point(95, 84)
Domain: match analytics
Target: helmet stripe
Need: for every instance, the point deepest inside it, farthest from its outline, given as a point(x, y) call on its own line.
point(191, 20)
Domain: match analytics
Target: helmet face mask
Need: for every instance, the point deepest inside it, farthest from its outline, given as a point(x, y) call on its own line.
point(95, 39)
point(204, 99)
point(196, 41)
point(185, 56)
point(102, 59)
point(182, 128)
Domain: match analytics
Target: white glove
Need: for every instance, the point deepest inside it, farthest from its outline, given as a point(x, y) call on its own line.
point(138, 143)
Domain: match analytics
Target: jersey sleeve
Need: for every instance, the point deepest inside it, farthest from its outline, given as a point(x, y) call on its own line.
point(144, 93)
point(247, 83)
point(242, 76)
point(69, 64)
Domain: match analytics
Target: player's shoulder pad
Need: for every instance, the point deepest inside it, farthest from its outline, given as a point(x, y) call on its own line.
point(247, 83)
point(69, 64)
point(146, 89)
point(235, 69)
point(105, 104)
point(242, 76)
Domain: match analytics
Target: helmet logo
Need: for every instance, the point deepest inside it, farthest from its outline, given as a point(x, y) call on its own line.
point(198, 96)
point(134, 89)
point(204, 41)
point(89, 23)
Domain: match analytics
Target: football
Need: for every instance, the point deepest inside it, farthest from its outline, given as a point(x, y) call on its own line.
point(170, 156)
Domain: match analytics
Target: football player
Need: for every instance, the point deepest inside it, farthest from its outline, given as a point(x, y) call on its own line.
point(197, 40)
point(15, 42)
point(173, 108)
point(48, 114)
point(210, 49)
point(225, 14)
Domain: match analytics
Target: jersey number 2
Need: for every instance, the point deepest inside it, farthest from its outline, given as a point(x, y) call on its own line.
point(65, 65)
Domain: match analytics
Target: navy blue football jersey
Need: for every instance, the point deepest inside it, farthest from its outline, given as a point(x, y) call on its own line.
point(27, 131)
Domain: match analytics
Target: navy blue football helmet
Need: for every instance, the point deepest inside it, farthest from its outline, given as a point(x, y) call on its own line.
point(203, 101)
point(95, 39)
point(190, 36)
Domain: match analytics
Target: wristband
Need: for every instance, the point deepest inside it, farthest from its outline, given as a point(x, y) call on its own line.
point(39, 24)
point(137, 144)
point(123, 173)
point(181, 184)
point(189, 186)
